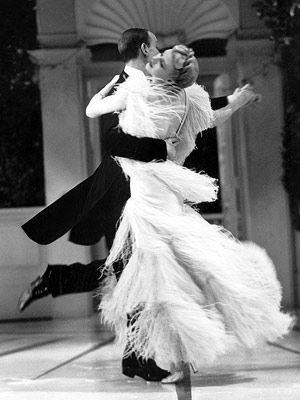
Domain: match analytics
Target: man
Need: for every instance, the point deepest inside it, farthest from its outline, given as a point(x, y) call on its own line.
point(91, 209)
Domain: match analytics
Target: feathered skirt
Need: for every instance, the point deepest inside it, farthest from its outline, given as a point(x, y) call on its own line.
point(193, 291)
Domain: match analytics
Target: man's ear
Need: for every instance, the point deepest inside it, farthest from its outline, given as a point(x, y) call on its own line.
point(144, 49)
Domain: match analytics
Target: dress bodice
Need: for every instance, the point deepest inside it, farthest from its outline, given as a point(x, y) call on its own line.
point(157, 109)
point(151, 110)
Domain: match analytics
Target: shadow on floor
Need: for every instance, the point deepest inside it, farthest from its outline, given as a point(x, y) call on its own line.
point(220, 380)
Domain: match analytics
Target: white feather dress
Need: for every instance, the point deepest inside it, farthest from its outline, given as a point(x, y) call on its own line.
point(195, 291)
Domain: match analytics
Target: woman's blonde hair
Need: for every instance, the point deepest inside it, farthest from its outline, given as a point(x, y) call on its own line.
point(186, 65)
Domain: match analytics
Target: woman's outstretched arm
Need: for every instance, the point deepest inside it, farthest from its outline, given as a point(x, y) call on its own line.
point(240, 98)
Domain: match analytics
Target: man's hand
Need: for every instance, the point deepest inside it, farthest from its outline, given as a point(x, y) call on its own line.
point(171, 147)
point(243, 96)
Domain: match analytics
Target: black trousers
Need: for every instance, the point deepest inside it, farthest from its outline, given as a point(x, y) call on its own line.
point(74, 278)
point(77, 277)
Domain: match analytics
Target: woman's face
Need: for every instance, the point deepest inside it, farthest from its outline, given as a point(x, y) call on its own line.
point(162, 66)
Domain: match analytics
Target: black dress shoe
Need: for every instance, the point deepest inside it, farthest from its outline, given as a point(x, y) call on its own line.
point(155, 371)
point(146, 369)
point(36, 290)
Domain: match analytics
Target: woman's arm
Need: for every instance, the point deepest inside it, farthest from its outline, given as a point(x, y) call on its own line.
point(221, 115)
point(100, 105)
point(241, 97)
point(116, 142)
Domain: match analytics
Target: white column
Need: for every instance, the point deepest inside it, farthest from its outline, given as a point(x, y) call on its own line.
point(226, 154)
point(64, 155)
point(267, 212)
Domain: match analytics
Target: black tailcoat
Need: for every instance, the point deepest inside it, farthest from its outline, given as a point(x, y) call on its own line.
point(92, 208)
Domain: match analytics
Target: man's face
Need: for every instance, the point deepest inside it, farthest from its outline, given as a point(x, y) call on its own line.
point(153, 50)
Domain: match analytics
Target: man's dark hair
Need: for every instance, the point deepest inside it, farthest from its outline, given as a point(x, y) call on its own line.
point(131, 41)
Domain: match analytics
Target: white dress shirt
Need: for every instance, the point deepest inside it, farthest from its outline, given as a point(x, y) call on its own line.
point(130, 71)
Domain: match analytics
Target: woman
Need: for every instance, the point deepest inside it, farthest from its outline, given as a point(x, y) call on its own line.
point(194, 290)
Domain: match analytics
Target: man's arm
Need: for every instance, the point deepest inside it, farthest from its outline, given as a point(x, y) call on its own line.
point(218, 102)
point(118, 143)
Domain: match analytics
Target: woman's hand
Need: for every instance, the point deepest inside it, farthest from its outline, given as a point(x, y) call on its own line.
point(171, 147)
point(102, 104)
point(107, 88)
point(239, 98)
point(243, 96)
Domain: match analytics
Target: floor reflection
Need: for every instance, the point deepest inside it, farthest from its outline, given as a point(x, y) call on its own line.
point(79, 357)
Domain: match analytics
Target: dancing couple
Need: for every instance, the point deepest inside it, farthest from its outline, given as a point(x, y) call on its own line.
point(189, 291)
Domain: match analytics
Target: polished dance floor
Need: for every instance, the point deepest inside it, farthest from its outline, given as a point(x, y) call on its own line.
point(76, 359)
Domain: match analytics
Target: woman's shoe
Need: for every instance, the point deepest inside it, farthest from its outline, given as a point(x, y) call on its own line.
point(194, 369)
point(176, 376)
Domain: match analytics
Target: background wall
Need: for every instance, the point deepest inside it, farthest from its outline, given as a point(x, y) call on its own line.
point(63, 68)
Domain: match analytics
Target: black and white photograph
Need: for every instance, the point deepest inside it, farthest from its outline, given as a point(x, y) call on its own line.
point(150, 199)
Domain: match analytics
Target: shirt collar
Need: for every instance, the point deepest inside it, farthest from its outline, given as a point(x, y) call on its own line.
point(133, 71)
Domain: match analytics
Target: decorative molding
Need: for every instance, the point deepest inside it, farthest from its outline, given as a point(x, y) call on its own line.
point(171, 20)
point(59, 40)
point(55, 57)
point(170, 39)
